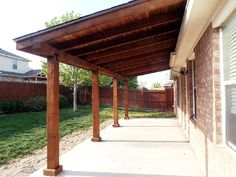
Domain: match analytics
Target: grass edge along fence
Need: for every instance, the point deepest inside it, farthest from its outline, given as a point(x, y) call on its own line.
point(158, 100)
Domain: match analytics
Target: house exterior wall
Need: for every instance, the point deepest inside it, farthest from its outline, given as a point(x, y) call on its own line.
point(6, 65)
point(205, 130)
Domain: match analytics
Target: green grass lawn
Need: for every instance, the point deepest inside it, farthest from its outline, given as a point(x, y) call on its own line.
point(22, 133)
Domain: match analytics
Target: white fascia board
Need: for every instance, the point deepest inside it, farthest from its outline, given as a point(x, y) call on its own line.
point(14, 57)
point(228, 8)
point(198, 15)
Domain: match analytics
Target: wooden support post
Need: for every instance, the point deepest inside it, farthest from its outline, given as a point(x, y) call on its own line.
point(95, 107)
point(53, 167)
point(115, 102)
point(126, 99)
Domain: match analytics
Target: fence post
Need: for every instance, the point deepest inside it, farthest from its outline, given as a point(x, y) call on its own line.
point(169, 99)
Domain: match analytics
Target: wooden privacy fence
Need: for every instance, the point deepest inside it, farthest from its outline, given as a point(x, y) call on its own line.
point(160, 100)
point(23, 90)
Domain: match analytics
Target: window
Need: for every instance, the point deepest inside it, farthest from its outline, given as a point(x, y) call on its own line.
point(193, 90)
point(14, 64)
point(229, 82)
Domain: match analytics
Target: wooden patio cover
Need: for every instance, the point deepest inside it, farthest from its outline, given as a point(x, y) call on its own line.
point(129, 40)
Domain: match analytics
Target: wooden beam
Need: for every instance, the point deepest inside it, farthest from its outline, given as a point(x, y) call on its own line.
point(143, 65)
point(95, 107)
point(167, 43)
point(135, 45)
point(153, 62)
point(115, 102)
point(147, 70)
point(107, 18)
point(44, 49)
point(158, 54)
point(146, 67)
point(124, 40)
point(126, 99)
point(53, 167)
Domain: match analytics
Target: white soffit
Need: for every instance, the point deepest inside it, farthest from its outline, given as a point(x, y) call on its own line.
point(198, 15)
point(228, 8)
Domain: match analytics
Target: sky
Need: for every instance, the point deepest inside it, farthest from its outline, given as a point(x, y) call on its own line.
point(18, 18)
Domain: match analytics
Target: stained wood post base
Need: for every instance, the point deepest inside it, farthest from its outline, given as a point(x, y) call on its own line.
point(52, 172)
point(115, 125)
point(96, 139)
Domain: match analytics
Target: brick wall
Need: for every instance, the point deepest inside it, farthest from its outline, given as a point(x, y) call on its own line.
point(205, 131)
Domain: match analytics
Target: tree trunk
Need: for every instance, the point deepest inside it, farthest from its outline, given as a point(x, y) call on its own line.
point(75, 107)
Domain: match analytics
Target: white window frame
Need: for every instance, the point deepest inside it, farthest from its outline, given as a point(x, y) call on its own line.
point(224, 83)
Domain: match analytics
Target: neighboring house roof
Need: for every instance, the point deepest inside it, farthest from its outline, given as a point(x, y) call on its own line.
point(169, 84)
point(11, 55)
point(31, 73)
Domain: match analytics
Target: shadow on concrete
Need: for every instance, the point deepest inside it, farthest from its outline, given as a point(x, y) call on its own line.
point(67, 173)
point(143, 141)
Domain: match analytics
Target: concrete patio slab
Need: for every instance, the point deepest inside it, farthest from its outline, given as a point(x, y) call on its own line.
point(146, 147)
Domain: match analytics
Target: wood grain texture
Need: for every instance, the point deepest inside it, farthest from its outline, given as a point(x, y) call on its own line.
point(53, 117)
point(95, 107)
point(126, 99)
point(115, 102)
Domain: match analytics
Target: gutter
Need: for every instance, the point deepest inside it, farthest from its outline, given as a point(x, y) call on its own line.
point(197, 17)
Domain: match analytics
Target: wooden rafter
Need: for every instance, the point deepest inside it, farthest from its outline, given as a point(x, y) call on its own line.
point(148, 70)
point(144, 34)
point(145, 67)
point(74, 61)
point(137, 53)
point(133, 44)
point(106, 42)
point(133, 59)
point(143, 8)
point(137, 65)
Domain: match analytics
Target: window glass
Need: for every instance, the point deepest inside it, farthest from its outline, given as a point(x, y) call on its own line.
point(14, 64)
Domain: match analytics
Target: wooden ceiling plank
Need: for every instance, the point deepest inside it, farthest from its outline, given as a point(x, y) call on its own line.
point(166, 47)
point(145, 68)
point(155, 60)
point(123, 12)
point(141, 44)
point(147, 71)
point(137, 51)
point(90, 44)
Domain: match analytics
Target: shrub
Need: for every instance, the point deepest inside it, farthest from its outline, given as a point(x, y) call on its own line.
point(5, 106)
point(35, 104)
point(20, 105)
point(63, 102)
point(9, 106)
point(12, 106)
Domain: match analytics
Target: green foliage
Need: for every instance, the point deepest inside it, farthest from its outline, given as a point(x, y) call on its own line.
point(105, 81)
point(63, 102)
point(68, 16)
point(35, 104)
point(70, 74)
point(5, 106)
point(20, 106)
point(11, 106)
point(132, 83)
point(21, 134)
point(156, 85)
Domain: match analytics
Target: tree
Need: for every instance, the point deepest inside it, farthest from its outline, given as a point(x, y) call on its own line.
point(156, 85)
point(69, 74)
point(132, 83)
point(68, 16)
